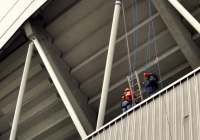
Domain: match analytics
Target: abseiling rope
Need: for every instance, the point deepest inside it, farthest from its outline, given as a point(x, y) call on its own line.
point(127, 43)
point(150, 24)
point(131, 73)
point(135, 23)
point(158, 65)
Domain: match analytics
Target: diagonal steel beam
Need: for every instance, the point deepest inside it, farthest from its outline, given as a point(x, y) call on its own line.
point(179, 32)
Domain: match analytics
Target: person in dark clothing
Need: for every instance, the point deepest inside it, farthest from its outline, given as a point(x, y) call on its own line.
point(151, 86)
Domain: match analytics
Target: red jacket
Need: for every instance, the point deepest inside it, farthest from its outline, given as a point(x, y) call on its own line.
point(127, 96)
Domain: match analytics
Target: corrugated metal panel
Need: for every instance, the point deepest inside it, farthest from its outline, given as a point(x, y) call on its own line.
point(173, 115)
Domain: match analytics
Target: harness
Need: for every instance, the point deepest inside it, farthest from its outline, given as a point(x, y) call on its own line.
point(154, 80)
point(124, 98)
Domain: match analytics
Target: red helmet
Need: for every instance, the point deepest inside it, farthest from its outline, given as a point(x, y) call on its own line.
point(127, 89)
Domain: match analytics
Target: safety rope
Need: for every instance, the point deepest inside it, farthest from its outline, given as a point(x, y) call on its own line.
point(135, 22)
point(158, 65)
point(147, 66)
point(127, 43)
point(129, 59)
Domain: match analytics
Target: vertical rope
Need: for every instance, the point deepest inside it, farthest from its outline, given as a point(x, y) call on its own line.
point(158, 65)
point(128, 52)
point(148, 42)
point(127, 43)
point(135, 23)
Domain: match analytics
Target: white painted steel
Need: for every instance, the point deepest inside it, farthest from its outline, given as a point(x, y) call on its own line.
point(61, 92)
point(160, 119)
point(190, 110)
point(153, 120)
point(186, 14)
point(21, 92)
point(148, 119)
point(197, 101)
point(182, 111)
point(174, 114)
point(108, 67)
point(140, 124)
point(15, 16)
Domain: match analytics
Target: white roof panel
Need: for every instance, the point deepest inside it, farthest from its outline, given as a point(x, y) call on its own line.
point(13, 13)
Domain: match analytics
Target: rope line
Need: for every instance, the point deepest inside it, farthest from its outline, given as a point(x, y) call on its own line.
point(148, 59)
point(128, 52)
point(135, 22)
point(147, 66)
point(127, 43)
point(158, 65)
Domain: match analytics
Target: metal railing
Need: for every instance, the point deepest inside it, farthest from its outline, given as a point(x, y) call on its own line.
point(174, 110)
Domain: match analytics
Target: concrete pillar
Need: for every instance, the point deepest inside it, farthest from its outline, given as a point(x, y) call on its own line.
point(182, 36)
point(85, 113)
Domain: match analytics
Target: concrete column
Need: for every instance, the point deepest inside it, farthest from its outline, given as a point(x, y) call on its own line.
point(78, 100)
point(182, 36)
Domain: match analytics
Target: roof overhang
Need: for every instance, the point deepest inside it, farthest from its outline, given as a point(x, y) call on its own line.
point(15, 15)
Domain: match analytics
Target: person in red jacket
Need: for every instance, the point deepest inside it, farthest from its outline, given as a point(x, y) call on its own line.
point(127, 100)
point(151, 85)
